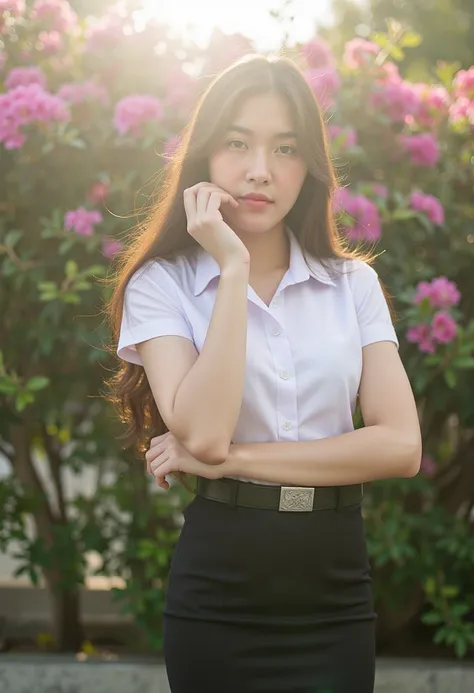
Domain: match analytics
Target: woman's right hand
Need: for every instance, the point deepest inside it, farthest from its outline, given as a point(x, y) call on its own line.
point(206, 225)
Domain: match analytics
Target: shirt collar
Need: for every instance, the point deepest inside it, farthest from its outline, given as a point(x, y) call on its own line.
point(207, 268)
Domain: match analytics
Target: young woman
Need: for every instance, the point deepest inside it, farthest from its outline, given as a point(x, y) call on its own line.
point(248, 333)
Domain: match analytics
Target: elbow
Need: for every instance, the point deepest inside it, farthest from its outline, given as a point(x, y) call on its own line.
point(412, 459)
point(208, 451)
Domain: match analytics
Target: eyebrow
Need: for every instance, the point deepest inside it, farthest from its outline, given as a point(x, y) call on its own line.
point(247, 131)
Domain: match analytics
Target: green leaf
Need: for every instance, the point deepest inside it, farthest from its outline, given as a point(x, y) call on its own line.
point(450, 378)
point(411, 39)
point(39, 382)
point(12, 238)
point(71, 269)
point(467, 362)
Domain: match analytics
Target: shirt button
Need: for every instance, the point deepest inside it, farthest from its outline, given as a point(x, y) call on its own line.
point(274, 302)
point(284, 375)
point(276, 331)
point(287, 426)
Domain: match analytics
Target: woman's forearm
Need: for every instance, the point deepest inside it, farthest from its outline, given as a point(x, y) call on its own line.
point(208, 401)
point(373, 452)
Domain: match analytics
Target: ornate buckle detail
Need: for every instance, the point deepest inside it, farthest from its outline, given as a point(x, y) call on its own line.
point(296, 499)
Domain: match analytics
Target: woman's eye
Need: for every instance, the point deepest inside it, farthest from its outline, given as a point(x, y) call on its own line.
point(236, 144)
point(287, 149)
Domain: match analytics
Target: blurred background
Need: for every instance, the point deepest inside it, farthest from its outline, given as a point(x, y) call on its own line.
point(93, 97)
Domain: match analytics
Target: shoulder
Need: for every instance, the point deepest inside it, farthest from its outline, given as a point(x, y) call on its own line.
point(176, 275)
point(353, 274)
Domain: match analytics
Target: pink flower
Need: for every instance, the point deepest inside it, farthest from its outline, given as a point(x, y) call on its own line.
point(110, 246)
point(75, 93)
point(441, 293)
point(380, 190)
point(82, 221)
point(423, 149)
point(429, 205)
point(51, 41)
point(396, 99)
point(444, 327)
point(464, 83)
point(421, 335)
point(358, 52)
point(170, 146)
point(365, 223)
point(325, 84)
point(318, 54)
point(57, 15)
point(462, 111)
point(105, 33)
point(98, 192)
point(428, 465)
point(433, 104)
point(134, 111)
point(15, 8)
point(25, 75)
point(348, 136)
point(25, 105)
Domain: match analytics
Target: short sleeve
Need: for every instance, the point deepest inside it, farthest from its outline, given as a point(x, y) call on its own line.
point(151, 309)
point(373, 314)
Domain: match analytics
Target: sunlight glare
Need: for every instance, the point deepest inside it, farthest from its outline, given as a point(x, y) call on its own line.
point(248, 17)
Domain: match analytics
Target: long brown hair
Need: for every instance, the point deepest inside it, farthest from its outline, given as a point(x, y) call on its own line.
point(164, 233)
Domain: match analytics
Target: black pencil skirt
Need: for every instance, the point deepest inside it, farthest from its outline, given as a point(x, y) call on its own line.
point(261, 601)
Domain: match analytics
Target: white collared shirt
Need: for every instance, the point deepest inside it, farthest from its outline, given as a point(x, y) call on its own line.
point(304, 350)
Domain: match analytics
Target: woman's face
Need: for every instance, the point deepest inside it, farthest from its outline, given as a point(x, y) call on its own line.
point(259, 155)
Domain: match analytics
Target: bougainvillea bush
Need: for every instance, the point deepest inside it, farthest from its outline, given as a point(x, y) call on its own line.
point(90, 109)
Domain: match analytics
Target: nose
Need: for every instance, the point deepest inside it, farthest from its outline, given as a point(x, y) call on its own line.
point(258, 171)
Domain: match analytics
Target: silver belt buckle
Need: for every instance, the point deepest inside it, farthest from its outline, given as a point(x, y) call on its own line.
point(296, 499)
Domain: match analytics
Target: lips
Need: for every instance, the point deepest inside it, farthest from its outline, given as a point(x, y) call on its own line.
point(256, 197)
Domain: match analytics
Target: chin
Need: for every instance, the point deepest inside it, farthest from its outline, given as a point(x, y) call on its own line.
point(252, 224)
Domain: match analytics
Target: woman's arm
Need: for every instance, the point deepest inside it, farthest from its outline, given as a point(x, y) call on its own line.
point(199, 396)
point(389, 445)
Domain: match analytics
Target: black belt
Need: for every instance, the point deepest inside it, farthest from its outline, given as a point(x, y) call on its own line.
point(282, 498)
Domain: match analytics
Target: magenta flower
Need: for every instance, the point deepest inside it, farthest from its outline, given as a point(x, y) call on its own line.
point(75, 93)
point(358, 52)
point(396, 99)
point(441, 292)
point(25, 75)
point(428, 205)
point(105, 33)
point(444, 327)
point(110, 246)
point(134, 111)
point(421, 335)
point(25, 105)
point(365, 223)
point(318, 54)
point(56, 15)
point(98, 192)
point(463, 83)
point(462, 111)
point(348, 136)
point(423, 149)
point(51, 41)
point(433, 104)
point(380, 190)
point(325, 84)
point(15, 8)
point(82, 221)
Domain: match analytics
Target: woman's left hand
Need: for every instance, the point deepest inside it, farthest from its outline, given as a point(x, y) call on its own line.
point(166, 455)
